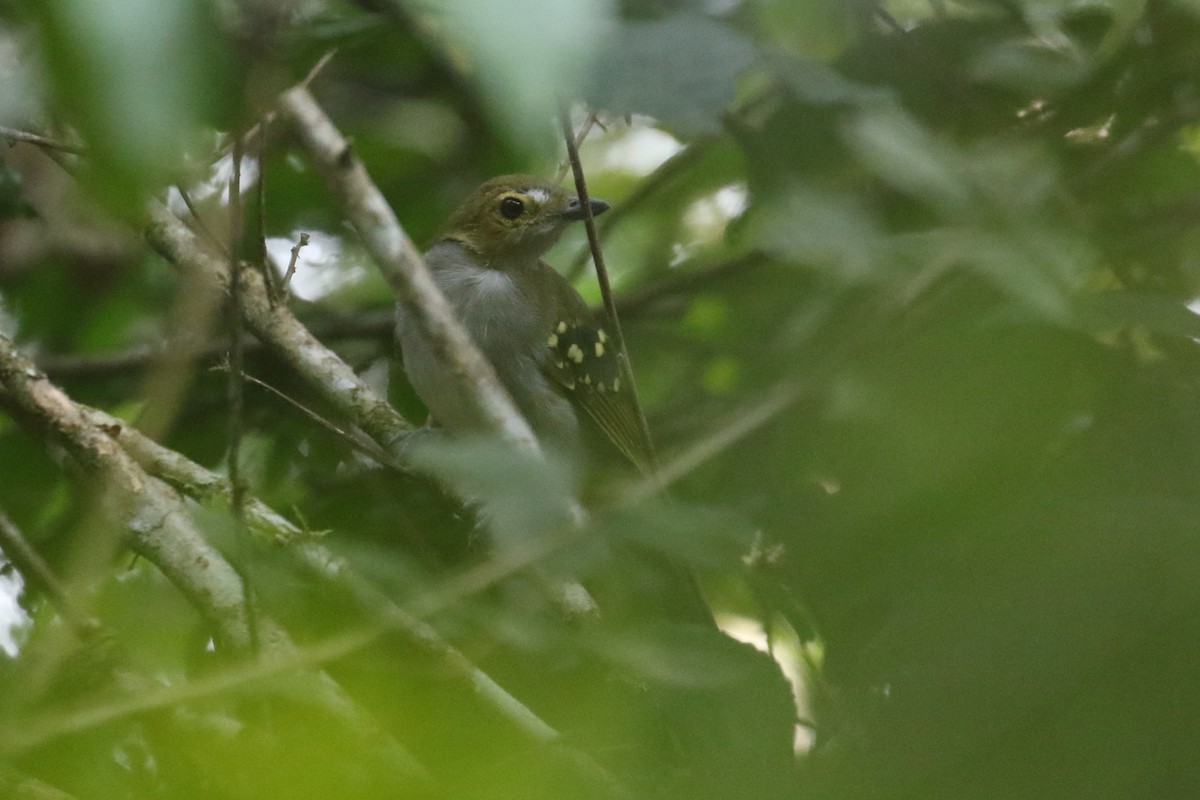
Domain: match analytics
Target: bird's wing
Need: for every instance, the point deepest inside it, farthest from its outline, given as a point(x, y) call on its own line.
point(584, 361)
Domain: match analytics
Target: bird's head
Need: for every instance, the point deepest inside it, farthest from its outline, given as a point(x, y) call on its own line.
point(515, 217)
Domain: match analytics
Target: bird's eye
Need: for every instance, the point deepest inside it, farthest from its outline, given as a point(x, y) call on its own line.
point(511, 208)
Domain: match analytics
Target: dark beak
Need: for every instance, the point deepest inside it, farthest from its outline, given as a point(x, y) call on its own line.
point(574, 210)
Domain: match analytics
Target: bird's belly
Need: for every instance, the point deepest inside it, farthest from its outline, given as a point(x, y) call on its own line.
point(505, 327)
point(495, 312)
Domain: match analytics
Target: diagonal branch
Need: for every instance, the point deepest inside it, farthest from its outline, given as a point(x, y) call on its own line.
point(155, 522)
point(403, 267)
point(320, 564)
point(160, 529)
point(606, 292)
point(279, 329)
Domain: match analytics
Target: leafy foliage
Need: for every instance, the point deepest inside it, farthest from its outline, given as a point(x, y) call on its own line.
point(906, 286)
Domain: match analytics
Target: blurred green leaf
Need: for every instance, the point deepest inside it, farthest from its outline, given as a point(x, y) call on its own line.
point(137, 77)
point(527, 55)
point(12, 205)
point(694, 62)
point(808, 225)
point(818, 84)
point(494, 475)
point(904, 155)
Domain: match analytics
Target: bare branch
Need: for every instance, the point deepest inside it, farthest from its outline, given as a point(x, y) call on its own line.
point(276, 326)
point(319, 563)
point(153, 520)
point(186, 196)
point(403, 267)
point(291, 267)
point(610, 307)
point(371, 324)
point(159, 527)
point(46, 143)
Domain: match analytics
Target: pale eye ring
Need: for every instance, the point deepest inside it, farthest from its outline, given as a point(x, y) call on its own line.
point(511, 208)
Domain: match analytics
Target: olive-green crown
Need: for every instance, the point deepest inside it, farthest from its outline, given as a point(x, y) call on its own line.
point(513, 216)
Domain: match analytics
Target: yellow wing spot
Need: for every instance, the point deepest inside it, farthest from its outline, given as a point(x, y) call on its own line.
point(599, 349)
point(562, 328)
point(571, 386)
point(600, 387)
point(587, 379)
point(616, 384)
point(601, 335)
point(575, 354)
point(560, 364)
point(553, 340)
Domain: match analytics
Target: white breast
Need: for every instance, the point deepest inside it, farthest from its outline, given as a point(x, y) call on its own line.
point(504, 324)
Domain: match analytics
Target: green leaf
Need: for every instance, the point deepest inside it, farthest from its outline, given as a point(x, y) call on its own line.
point(520, 494)
point(905, 155)
point(680, 70)
point(526, 55)
point(817, 84)
point(12, 203)
point(832, 229)
point(135, 77)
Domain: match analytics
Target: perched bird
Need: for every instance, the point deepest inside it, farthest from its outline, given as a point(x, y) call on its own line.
point(557, 363)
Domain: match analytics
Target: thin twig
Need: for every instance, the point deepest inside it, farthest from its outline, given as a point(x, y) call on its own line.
point(259, 129)
point(260, 218)
point(291, 267)
point(356, 439)
point(236, 395)
point(610, 307)
point(27, 560)
point(45, 142)
point(645, 190)
point(318, 67)
point(883, 14)
point(580, 137)
point(195, 212)
point(377, 324)
point(276, 326)
point(236, 398)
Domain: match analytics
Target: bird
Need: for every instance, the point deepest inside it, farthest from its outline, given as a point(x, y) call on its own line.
point(556, 360)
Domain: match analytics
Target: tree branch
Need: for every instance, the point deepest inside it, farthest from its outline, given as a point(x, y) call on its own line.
point(154, 521)
point(277, 327)
point(321, 564)
point(606, 293)
point(371, 324)
point(160, 528)
point(45, 142)
point(404, 268)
